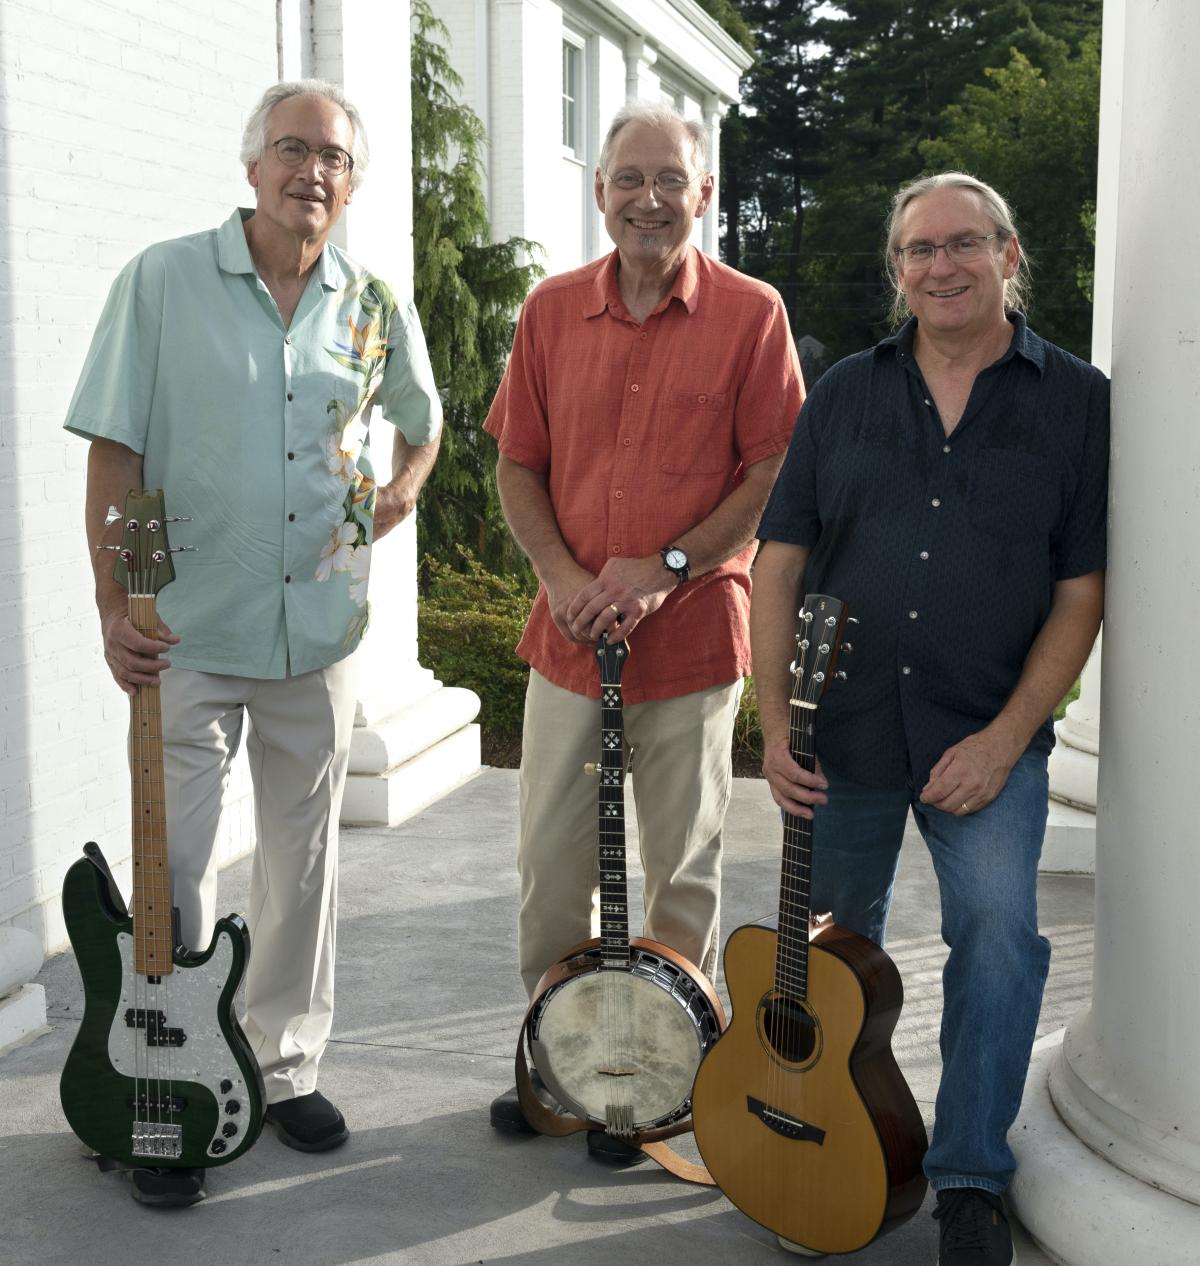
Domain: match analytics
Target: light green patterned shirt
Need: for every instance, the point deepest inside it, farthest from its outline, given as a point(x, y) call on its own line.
point(259, 434)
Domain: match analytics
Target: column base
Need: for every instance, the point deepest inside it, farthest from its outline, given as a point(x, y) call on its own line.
point(1070, 844)
point(22, 1016)
point(411, 758)
point(1079, 1208)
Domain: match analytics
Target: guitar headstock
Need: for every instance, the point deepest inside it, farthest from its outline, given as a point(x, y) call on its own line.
point(823, 622)
point(611, 657)
point(144, 555)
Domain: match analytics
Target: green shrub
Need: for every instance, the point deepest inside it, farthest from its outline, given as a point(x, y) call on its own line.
point(468, 625)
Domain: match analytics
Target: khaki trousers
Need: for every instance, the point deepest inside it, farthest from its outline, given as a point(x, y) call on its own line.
point(681, 782)
point(299, 746)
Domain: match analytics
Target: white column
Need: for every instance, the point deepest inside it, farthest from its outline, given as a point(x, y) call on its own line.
point(1070, 845)
point(641, 83)
point(714, 111)
point(1109, 1158)
point(413, 739)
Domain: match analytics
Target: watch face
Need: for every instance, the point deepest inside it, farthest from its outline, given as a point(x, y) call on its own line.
point(675, 559)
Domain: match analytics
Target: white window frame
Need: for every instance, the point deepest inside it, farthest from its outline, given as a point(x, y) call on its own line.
point(576, 145)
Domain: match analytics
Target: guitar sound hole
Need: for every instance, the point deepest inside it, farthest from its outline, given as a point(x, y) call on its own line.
point(788, 1028)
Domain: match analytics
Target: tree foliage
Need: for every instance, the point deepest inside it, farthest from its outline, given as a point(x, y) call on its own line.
point(841, 109)
point(467, 290)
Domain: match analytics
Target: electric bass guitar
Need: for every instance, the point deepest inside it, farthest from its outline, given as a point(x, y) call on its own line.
point(160, 1073)
point(800, 1112)
point(618, 1025)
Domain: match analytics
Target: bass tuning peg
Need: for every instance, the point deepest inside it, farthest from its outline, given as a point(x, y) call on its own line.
point(840, 675)
point(182, 549)
point(112, 516)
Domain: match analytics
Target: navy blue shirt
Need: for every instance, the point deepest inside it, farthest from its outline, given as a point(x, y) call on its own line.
point(946, 548)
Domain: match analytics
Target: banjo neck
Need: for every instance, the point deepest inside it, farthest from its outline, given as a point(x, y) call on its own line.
point(614, 884)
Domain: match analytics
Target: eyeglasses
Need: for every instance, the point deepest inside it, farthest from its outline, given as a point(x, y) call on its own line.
point(663, 182)
point(921, 254)
point(292, 151)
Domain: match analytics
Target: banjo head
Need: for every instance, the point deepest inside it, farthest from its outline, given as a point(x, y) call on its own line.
point(626, 1039)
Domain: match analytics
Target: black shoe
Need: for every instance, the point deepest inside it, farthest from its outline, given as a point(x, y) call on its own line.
point(168, 1188)
point(612, 1150)
point(506, 1111)
point(974, 1229)
point(309, 1123)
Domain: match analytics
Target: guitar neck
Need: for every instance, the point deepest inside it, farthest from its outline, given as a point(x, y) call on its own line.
point(614, 884)
point(153, 930)
point(795, 881)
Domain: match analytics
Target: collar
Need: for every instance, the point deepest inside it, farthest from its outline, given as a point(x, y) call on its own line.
point(233, 251)
point(1025, 343)
point(605, 293)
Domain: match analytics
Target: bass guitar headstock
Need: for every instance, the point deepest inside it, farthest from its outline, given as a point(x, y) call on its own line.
point(143, 564)
point(823, 623)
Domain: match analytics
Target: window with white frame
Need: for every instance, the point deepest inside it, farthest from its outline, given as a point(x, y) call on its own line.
point(572, 96)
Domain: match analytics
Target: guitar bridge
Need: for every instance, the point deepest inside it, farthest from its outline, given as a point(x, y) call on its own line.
point(162, 1142)
point(604, 1070)
point(782, 1123)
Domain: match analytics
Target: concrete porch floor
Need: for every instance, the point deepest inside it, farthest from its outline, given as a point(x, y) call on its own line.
point(428, 1009)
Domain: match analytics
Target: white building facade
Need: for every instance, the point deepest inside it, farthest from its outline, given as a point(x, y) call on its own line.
point(546, 77)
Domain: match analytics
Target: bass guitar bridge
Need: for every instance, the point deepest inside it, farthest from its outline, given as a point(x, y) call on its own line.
point(160, 1141)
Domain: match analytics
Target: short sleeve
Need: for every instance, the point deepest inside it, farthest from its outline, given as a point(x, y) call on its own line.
point(1082, 546)
point(771, 390)
point(115, 393)
point(792, 514)
point(518, 418)
point(408, 394)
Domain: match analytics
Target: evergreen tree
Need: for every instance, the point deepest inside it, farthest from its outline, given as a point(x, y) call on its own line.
point(467, 291)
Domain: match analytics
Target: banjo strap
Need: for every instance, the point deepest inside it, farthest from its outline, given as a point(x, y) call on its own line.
point(556, 1124)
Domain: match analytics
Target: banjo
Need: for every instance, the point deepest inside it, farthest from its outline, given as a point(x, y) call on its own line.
point(618, 1025)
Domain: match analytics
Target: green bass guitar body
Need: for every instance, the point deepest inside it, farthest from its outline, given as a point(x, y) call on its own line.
point(160, 1073)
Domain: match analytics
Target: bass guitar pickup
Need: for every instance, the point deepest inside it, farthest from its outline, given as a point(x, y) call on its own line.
point(146, 1105)
point(155, 1024)
point(782, 1123)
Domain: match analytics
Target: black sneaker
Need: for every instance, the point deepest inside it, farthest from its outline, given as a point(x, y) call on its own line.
point(506, 1114)
point(309, 1123)
point(168, 1188)
point(974, 1229)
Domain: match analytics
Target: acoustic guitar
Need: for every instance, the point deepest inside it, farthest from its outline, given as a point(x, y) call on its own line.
point(619, 1024)
point(160, 1074)
point(800, 1112)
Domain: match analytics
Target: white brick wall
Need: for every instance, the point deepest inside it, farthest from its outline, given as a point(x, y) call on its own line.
point(120, 123)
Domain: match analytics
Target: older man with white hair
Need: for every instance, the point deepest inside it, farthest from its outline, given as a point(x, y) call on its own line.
point(641, 422)
point(236, 369)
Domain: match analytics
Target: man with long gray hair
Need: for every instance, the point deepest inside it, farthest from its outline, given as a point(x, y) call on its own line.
point(950, 486)
point(641, 422)
point(236, 369)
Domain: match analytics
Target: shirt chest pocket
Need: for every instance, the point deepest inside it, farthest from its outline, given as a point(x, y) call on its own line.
point(695, 434)
point(1014, 494)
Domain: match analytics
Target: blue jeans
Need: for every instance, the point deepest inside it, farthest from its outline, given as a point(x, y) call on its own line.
point(986, 865)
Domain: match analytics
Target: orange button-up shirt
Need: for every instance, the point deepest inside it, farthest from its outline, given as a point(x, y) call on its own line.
point(642, 431)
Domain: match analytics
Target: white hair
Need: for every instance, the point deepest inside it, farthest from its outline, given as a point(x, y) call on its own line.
point(1016, 287)
point(662, 116)
point(254, 138)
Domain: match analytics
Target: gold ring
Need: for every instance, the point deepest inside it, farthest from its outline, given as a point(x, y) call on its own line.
point(615, 609)
point(966, 808)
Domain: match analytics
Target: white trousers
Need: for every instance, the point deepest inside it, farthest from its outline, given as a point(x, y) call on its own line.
point(681, 781)
point(299, 747)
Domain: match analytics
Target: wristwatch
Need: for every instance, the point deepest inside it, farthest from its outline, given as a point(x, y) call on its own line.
point(675, 561)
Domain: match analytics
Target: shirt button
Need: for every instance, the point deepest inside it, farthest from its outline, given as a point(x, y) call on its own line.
point(929, 402)
point(945, 447)
point(912, 615)
point(642, 336)
point(618, 494)
point(616, 549)
point(291, 518)
point(291, 397)
point(635, 387)
point(291, 457)
point(937, 501)
point(627, 441)
point(287, 580)
point(701, 399)
point(924, 556)
point(287, 338)
point(906, 670)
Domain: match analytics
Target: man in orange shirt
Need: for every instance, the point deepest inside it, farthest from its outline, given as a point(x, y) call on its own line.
point(641, 421)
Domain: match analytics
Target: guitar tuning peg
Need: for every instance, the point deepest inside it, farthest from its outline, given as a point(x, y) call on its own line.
point(851, 619)
point(183, 549)
point(847, 647)
point(112, 516)
point(114, 547)
point(591, 769)
point(840, 676)
point(181, 518)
